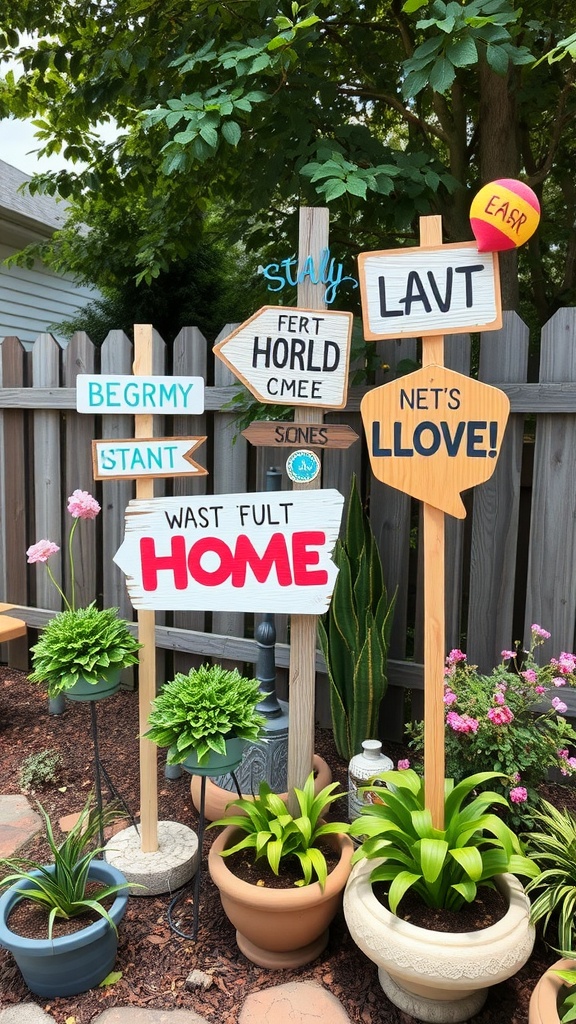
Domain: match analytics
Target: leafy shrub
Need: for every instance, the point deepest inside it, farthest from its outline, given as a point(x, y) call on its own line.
point(39, 768)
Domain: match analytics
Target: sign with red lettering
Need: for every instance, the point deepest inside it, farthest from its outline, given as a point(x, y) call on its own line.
point(289, 356)
point(258, 552)
point(434, 433)
point(424, 290)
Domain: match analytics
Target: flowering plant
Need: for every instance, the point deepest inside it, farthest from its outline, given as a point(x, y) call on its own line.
point(78, 643)
point(492, 721)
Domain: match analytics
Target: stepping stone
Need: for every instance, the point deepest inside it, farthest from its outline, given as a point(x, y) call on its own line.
point(18, 824)
point(25, 1013)
point(136, 1015)
point(297, 1002)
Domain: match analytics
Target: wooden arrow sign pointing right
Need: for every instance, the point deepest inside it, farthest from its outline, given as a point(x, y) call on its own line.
point(284, 434)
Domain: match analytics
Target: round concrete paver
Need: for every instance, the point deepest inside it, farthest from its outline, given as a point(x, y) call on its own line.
point(297, 1002)
point(170, 867)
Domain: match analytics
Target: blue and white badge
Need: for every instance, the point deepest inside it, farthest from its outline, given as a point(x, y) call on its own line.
point(302, 466)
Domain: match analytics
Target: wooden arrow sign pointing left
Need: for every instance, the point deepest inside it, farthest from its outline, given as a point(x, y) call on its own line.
point(288, 434)
point(151, 457)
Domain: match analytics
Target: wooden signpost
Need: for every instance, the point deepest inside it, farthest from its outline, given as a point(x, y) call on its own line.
point(292, 356)
point(143, 395)
point(126, 458)
point(434, 432)
point(280, 434)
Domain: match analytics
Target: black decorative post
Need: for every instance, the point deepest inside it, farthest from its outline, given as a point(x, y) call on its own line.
point(267, 760)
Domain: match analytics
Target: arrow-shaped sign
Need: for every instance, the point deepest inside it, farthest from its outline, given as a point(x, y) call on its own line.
point(290, 356)
point(126, 458)
point(281, 434)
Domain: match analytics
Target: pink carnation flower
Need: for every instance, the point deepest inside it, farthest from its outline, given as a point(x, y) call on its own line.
point(500, 716)
point(507, 655)
point(539, 689)
point(558, 681)
point(538, 631)
point(461, 723)
point(518, 795)
point(41, 551)
point(449, 697)
point(499, 698)
point(529, 675)
point(559, 705)
point(455, 656)
point(403, 764)
point(81, 505)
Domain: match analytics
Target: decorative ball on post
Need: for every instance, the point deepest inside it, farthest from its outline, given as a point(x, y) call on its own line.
point(504, 214)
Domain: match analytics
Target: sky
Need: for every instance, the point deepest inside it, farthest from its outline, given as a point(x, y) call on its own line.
point(16, 143)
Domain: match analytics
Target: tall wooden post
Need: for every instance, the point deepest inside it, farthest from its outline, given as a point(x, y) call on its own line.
point(434, 600)
point(146, 629)
point(312, 238)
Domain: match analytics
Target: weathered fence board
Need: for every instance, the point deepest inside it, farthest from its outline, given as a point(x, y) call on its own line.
point(45, 455)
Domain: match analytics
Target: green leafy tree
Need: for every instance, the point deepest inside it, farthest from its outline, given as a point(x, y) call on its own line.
point(384, 111)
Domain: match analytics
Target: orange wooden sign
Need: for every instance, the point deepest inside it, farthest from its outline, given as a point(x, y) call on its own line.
point(434, 433)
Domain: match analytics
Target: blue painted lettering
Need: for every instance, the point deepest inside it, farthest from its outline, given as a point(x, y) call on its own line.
point(328, 272)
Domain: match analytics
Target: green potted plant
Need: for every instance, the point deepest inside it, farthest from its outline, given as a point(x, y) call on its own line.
point(437, 975)
point(62, 960)
point(355, 633)
point(552, 845)
point(205, 718)
point(82, 651)
point(279, 926)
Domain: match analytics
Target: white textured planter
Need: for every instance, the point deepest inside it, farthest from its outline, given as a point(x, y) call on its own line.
point(439, 977)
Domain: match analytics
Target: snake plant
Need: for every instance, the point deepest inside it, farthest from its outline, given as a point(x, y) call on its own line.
point(355, 633)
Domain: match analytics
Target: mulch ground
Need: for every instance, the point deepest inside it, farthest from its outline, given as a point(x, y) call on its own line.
point(153, 959)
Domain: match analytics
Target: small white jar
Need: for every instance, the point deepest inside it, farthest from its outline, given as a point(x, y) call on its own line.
point(363, 767)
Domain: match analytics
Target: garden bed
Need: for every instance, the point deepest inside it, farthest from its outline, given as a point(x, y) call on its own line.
point(153, 959)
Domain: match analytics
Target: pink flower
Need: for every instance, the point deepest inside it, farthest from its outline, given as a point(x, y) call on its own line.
point(449, 697)
point(538, 631)
point(499, 698)
point(41, 551)
point(403, 764)
point(518, 795)
point(81, 505)
point(539, 689)
point(507, 655)
point(516, 777)
point(563, 753)
point(558, 681)
point(529, 675)
point(559, 705)
point(565, 664)
point(500, 716)
point(461, 723)
point(455, 656)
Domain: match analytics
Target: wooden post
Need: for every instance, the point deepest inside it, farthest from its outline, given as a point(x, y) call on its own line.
point(146, 629)
point(312, 238)
point(434, 601)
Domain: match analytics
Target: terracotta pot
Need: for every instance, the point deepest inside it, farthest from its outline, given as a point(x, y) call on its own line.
point(279, 928)
point(544, 1000)
point(217, 798)
point(438, 976)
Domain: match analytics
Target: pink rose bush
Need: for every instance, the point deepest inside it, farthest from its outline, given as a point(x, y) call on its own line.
point(508, 721)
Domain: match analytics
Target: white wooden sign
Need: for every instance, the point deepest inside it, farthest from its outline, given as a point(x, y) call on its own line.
point(146, 457)
point(423, 291)
point(101, 394)
point(255, 552)
point(290, 356)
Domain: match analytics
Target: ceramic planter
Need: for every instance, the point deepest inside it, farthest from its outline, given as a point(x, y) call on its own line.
point(217, 764)
point(69, 964)
point(544, 1000)
point(108, 685)
point(279, 928)
point(438, 976)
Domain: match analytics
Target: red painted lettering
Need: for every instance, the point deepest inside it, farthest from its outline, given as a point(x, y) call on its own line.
point(151, 563)
point(302, 558)
point(216, 576)
point(276, 554)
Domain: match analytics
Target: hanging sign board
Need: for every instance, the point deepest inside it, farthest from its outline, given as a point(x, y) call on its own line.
point(434, 433)
point(256, 552)
point(138, 394)
point(126, 458)
point(429, 291)
point(280, 434)
point(290, 356)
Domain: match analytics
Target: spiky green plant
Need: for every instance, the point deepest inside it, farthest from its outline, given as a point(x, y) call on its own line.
point(60, 888)
point(198, 712)
point(553, 892)
point(272, 832)
point(355, 633)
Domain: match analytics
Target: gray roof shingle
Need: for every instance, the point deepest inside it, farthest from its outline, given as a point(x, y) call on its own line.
point(43, 209)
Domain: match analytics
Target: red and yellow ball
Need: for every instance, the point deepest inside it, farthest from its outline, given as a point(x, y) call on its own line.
point(504, 214)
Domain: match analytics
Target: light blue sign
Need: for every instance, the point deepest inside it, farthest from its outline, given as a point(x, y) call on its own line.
point(327, 272)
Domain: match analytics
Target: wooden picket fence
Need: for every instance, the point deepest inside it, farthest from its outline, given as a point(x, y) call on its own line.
point(511, 562)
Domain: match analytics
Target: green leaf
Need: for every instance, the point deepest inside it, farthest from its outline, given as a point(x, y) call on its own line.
point(111, 979)
point(497, 58)
point(232, 132)
point(442, 76)
point(462, 53)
